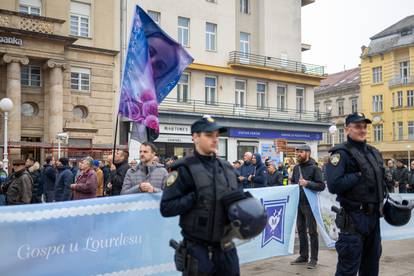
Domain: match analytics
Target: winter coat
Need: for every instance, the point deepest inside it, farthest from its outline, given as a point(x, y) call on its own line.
point(275, 179)
point(245, 170)
point(48, 178)
point(117, 177)
point(155, 175)
point(19, 188)
point(86, 185)
point(37, 187)
point(259, 176)
point(106, 173)
point(310, 172)
point(401, 176)
point(411, 181)
point(62, 186)
point(100, 177)
point(74, 171)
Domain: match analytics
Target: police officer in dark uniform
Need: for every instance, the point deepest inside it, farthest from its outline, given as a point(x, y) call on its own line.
point(355, 173)
point(195, 190)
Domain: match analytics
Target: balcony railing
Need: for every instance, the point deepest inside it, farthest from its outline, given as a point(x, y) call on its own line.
point(241, 58)
point(399, 81)
point(246, 111)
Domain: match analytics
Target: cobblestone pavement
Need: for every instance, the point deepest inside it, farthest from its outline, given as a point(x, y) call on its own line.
point(397, 260)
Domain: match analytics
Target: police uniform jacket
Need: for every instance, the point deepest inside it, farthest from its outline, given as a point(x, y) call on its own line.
point(194, 190)
point(355, 173)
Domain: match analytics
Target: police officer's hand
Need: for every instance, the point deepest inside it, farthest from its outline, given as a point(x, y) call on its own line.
point(303, 182)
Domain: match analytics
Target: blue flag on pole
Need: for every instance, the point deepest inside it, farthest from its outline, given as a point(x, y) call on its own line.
point(153, 66)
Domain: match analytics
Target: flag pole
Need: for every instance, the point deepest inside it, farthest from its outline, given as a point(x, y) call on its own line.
point(116, 133)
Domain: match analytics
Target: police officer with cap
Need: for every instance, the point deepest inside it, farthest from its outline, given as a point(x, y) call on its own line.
point(355, 173)
point(195, 190)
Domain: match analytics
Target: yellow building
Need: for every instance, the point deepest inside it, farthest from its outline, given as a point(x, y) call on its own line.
point(387, 89)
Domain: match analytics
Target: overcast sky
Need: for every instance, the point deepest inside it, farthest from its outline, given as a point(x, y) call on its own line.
point(337, 29)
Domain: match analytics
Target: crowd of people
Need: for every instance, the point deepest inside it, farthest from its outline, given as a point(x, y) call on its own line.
point(63, 180)
point(399, 179)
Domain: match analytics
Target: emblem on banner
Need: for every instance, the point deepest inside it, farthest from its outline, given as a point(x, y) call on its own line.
point(275, 210)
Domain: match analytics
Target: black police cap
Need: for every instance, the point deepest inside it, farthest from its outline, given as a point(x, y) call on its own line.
point(356, 117)
point(206, 124)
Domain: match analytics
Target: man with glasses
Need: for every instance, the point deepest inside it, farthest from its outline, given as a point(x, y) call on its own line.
point(355, 173)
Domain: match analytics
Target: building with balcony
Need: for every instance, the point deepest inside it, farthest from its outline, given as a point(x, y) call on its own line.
point(247, 73)
point(59, 67)
point(337, 96)
point(387, 88)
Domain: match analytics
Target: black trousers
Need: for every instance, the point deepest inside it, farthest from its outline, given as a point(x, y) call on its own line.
point(212, 261)
point(306, 224)
point(360, 251)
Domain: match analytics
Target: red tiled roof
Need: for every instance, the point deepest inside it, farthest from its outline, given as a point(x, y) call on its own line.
point(344, 78)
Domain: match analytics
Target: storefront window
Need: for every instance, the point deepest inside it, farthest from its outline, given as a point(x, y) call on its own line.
point(242, 149)
point(222, 148)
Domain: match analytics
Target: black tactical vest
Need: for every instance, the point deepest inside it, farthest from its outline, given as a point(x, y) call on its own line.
point(207, 219)
point(370, 189)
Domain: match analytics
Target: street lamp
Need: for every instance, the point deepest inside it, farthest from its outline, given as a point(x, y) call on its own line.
point(6, 105)
point(332, 131)
point(61, 137)
point(408, 150)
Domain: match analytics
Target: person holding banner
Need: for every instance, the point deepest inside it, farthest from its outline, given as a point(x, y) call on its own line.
point(355, 173)
point(195, 190)
point(308, 175)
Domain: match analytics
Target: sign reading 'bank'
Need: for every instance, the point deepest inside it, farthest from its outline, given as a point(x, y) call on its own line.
point(11, 40)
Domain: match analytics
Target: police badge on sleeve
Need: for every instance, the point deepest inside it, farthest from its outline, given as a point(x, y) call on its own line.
point(334, 159)
point(171, 178)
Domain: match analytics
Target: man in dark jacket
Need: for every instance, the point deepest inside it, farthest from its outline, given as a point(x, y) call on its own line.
point(274, 177)
point(307, 174)
point(118, 169)
point(246, 170)
point(259, 177)
point(18, 188)
point(401, 177)
point(410, 185)
point(49, 179)
point(63, 180)
point(389, 173)
point(33, 168)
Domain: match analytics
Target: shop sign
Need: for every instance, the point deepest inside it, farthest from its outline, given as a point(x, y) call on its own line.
point(179, 139)
point(275, 134)
point(11, 40)
point(175, 129)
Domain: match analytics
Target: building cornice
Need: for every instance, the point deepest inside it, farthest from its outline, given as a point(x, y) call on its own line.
point(260, 73)
point(93, 49)
point(36, 17)
point(65, 39)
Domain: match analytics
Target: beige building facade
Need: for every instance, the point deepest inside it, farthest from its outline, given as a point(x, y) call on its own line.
point(59, 66)
point(337, 96)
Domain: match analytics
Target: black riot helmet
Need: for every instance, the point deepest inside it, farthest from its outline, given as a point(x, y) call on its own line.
point(397, 213)
point(247, 217)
